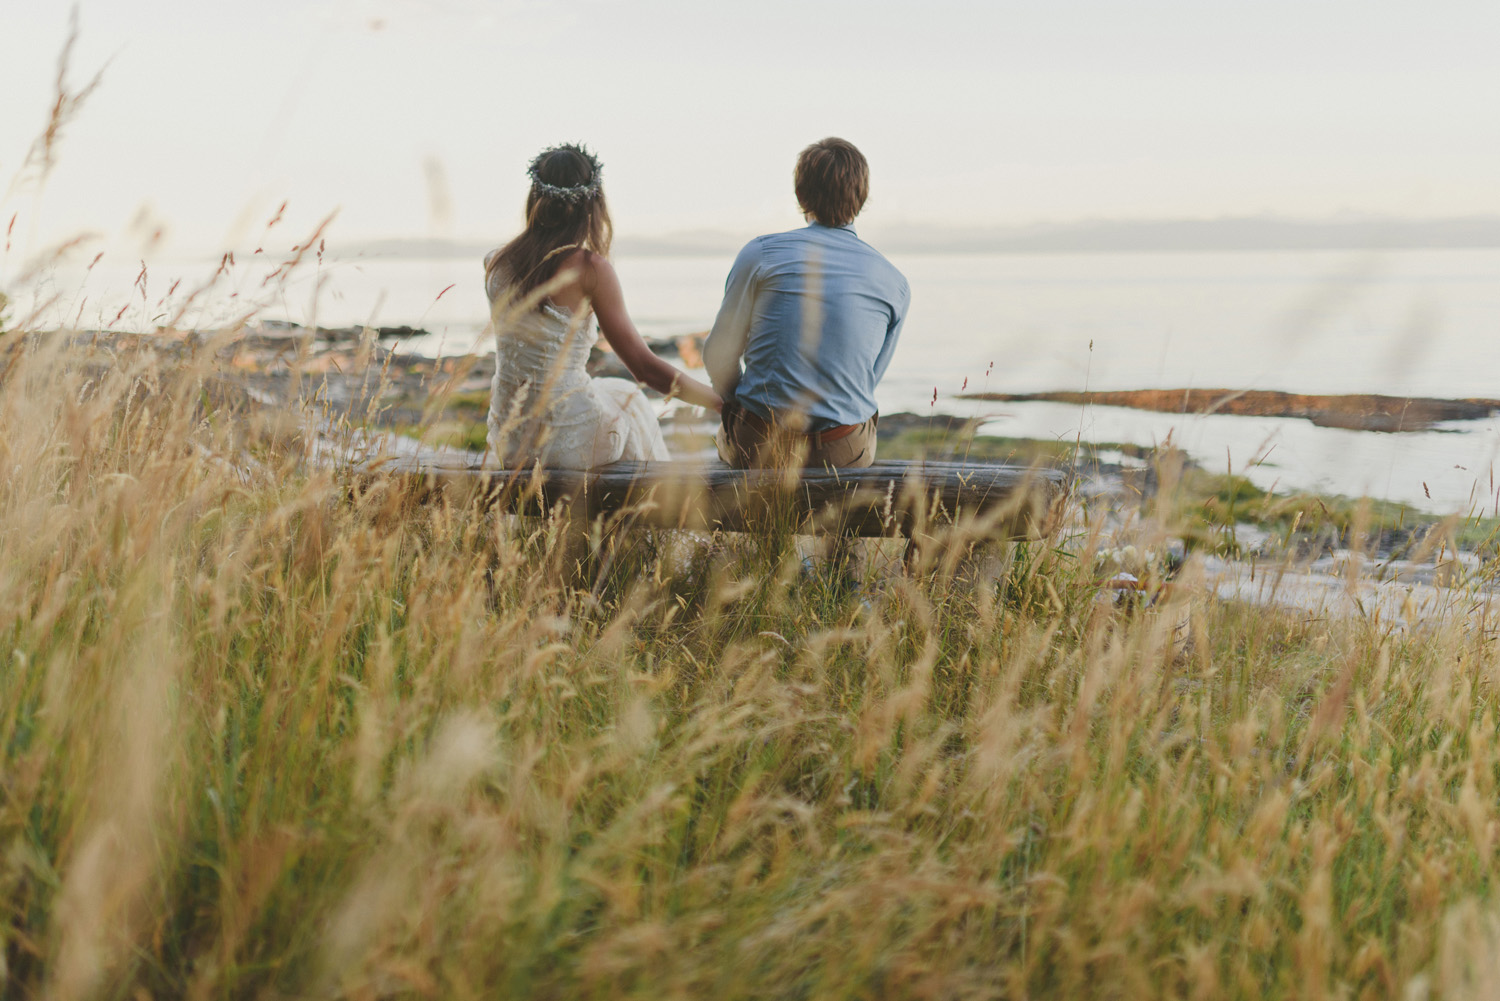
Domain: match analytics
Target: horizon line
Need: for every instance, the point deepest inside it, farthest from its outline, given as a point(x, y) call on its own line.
point(1226, 233)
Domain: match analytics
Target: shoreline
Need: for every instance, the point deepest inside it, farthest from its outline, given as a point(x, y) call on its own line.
point(1365, 411)
point(443, 401)
point(1350, 411)
point(1329, 546)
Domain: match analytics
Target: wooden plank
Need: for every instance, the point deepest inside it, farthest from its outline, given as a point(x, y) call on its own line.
point(890, 497)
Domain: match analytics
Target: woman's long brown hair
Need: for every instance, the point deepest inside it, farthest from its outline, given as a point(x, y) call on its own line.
point(554, 225)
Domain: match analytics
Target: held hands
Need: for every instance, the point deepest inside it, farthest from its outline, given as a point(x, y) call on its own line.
point(687, 388)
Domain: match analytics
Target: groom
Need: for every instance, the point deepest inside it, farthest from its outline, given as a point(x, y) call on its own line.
point(813, 315)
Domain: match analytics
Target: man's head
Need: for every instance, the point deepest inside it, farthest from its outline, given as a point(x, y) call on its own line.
point(832, 181)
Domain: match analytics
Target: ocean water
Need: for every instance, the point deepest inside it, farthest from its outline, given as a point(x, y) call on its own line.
point(1402, 323)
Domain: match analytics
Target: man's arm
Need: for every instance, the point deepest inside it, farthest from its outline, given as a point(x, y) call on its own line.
point(893, 333)
point(726, 342)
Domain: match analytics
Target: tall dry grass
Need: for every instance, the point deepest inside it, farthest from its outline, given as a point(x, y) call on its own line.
point(264, 735)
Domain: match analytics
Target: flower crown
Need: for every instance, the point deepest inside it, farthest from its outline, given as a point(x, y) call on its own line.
point(574, 193)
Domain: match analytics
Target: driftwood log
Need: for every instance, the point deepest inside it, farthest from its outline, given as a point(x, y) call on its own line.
point(890, 498)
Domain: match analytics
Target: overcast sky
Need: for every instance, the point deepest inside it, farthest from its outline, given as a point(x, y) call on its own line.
point(417, 117)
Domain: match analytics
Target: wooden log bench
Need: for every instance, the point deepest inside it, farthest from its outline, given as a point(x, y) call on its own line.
point(890, 498)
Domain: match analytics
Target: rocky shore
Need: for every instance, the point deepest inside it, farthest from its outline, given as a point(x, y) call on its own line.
point(362, 379)
point(1356, 412)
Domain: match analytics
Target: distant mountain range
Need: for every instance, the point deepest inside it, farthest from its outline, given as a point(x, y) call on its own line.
point(1080, 237)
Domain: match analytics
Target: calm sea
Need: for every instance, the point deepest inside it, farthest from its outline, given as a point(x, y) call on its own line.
point(1403, 323)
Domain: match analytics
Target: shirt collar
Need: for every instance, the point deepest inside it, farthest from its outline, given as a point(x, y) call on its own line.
point(849, 226)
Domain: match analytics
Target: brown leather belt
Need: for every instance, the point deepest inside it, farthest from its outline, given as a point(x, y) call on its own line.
point(823, 437)
point(834, 433)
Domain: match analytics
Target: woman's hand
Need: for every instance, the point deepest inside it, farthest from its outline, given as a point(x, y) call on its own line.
point(716, 404)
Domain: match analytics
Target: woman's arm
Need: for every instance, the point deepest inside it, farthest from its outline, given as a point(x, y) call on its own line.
point(603, 287)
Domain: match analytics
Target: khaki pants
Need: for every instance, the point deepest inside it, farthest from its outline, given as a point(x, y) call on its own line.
point(747, 442)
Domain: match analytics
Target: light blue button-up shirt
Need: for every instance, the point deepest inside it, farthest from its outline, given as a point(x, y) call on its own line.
point(814, 314)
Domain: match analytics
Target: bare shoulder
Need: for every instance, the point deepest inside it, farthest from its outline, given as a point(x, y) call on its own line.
point(598, 273)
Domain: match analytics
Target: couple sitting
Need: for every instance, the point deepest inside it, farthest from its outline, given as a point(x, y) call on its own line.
point(813, 316)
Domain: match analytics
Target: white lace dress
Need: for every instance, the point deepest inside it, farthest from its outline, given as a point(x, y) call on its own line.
point(545, 406)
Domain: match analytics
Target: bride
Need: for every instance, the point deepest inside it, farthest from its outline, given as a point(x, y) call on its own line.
point(545, 287)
